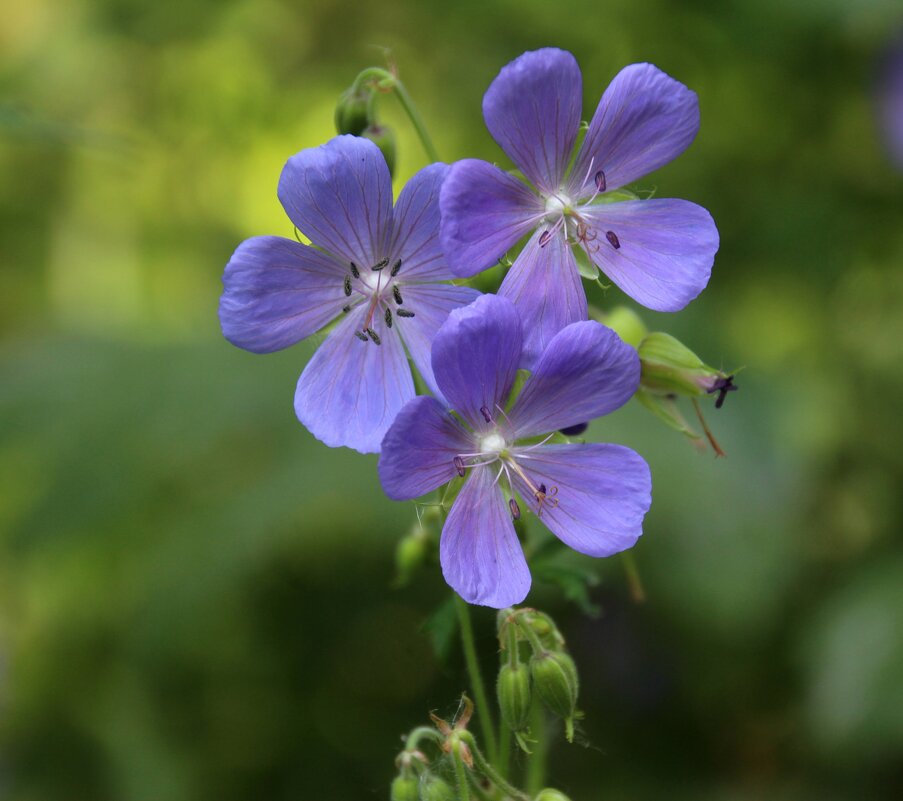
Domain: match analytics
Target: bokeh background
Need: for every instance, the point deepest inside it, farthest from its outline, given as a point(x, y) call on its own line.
point(196, 597)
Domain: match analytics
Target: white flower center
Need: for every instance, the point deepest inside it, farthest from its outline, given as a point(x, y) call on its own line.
point(371, 279)
point(556, 205)
point(493, 443)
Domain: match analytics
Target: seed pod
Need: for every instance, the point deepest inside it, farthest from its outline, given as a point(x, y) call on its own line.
point(551, 795)
point(351, 112)
point(435, 789)
point(514, 695)
point(405, 788)
point(555, 676)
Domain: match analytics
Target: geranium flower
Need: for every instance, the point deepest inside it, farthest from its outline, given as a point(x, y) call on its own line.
point(659, 251)
point(591, 496)
point(377, 269)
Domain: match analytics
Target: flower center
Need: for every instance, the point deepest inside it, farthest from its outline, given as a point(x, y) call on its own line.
point(557, 206)
point(493, 443)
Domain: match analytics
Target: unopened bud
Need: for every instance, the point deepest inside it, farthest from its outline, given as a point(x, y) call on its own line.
point(670, 368)
point(555, 677)
point(384, 138)
point(551, 795)
point(626, 323)
point(435, 789)
point(405, 787)
point(351, 112)
point(410, 554)
point(514, 696)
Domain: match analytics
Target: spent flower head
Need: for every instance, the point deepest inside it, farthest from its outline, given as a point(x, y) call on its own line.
point(658, 251)
point(592, 496)
point(376, 268)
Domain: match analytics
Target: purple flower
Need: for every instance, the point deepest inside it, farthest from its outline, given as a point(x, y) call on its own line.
point(890, 100)
point(374, 267)
point(660, 252)
point(593, 497)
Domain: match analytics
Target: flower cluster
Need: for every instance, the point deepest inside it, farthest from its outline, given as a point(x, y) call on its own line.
point(384, 277)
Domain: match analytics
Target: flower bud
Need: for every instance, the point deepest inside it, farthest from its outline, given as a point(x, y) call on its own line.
point(555, 677)
point(551, 795)
point(435, 789)
point(410, 554)
point(405, 787)
point(626, 323)
point(384, 138)
point(514, 696)
point(351, 112)
point(670, 368)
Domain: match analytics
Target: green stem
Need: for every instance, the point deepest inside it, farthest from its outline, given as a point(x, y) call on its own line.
point(536, 764)
point(422, 733)
point(490, 772)
point(460, 774)
point(634, 582)
point(476, 679)
point(386, 81)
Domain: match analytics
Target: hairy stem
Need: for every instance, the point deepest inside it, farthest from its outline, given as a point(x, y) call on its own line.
point(476, 679)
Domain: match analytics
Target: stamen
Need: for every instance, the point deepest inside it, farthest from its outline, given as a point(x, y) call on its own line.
point(388, 317)
point(514, 508)
point(544, 238)
point(397, 293)
point(395, 268)
point(347, 285)
point(485, 412)
point(346, 309)
point(600, 181)
point(722, 386)
point(354, 270)
point(361, 336)
point(380, 264)
point(404, 313)
point(613, 240)
point(374, 337)
point(459, 466)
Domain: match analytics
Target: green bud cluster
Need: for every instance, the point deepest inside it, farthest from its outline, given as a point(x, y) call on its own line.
point(549, 671)
point(551, 795)
point(355, 114)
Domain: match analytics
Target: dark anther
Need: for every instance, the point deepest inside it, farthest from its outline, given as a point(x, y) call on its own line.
point(613, 240)
point(361, 336)
point(600, 181)
point(459, 466)
point(373, 336)
point(347, 284)
point(574, 431)
point(544, 238)
point(380, 264)
point(397, 292)
point(515, 509)
point(354, 270)
point(404, 313)
point(541, 490)
point(346, 309)
point(722, 386)
point(485, 412)
point(388, 317)
point(395, 268)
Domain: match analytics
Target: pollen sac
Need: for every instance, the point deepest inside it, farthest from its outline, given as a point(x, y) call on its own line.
point(380, 264)
point(514, 509)
point(613, 240)
point(668, 367)
point(544, 238)
point(395, 268)
point(388, 317)
point(722, 385)
point(346, 309)
point(599, 180)
point(459, 466)
point(404, 313)
point(396, 292)
point(361, 336)
point(485, 412)
point(354, 270)
point(374, 336)
point(347, 286)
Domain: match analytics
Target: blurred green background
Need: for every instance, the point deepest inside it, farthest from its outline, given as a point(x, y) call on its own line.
point(195, 596)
